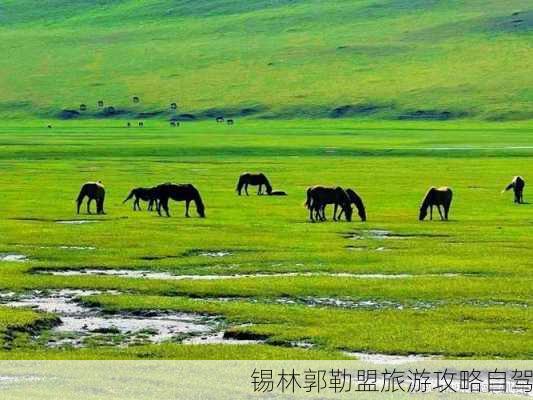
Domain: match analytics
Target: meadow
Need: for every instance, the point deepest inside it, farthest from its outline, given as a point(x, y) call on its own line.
point(391, 285)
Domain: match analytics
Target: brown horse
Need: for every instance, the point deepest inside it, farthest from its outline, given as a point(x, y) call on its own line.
point(94, 191)
point(179, 192)
point(255, 180)
point(517, 184)
point(146, 194)
point(436, 197)
point(356, 200)
point(318, 197)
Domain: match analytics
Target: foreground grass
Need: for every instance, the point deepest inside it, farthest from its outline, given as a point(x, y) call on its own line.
point(486, 245)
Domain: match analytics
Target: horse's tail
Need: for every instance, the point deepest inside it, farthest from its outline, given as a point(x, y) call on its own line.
point(132, 193)
point(309, 201)
point(200, 207)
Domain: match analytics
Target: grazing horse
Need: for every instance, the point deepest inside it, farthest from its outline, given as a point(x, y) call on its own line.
point(136, 99)
point(146, 194)
point(356, 200)
point(94, 191)
point(230, 122)
point(100, 103)
point(436, 197)
point(220, 120)
point(128, 124)
point(255, 180)
point(141, 124)
point(517, 184)
point(179, 192)
point(173, 106)
point(318, 197)
point(83, 107)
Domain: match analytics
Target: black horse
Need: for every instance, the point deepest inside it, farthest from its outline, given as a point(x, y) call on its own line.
point(255, 180)
point(439, 197)
point(318, 197)
point(356, 200)
point(146, 194)
point(93, 191)
point(179, 192)
point(517, 184)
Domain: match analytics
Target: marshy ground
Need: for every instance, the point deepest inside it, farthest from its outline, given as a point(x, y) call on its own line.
point(255, 279)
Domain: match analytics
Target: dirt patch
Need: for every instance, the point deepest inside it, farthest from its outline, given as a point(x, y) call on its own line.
point(208, 253)
point(77, 221)
point(219, 338)
point(352, 303)
point(354, 110)
point(433, 115)
point(381, 234)
point(10, 257)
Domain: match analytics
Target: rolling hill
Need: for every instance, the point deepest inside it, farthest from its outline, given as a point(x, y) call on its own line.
point(380, 59)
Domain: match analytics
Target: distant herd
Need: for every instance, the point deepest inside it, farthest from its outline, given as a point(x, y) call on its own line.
point(318, 197)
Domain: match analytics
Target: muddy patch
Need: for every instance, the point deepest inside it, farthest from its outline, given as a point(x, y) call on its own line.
point(216, 253)
point(220, 338)
point(389, 359)
point(81, 325)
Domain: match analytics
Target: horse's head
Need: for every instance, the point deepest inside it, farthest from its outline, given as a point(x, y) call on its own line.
point(423, 213)
point(348, 211)
point(362, 214)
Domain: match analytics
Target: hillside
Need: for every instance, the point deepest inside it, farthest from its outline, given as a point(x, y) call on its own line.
point(393, 59)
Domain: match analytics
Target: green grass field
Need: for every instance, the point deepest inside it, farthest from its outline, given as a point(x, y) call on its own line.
point(407, 59)
point(464, 288)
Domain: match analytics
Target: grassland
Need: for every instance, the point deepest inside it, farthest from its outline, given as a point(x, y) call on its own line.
point(392, 59)
point(466, 284)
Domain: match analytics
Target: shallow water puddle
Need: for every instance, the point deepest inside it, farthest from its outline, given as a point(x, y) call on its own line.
point(351, 303)
point(80, 323)
point(139, 274)
point(382, 234)
point(77, 221)
point(13, 257)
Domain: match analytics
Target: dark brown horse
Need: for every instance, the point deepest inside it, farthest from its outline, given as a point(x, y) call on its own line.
point(179, 192)
point(517, 185)
point(220, 120)
point(356, 200)
point(94, 191)
point(318, 197)
point(255, 180)
point(440, 197)
point(146, 194)
point(230, 122)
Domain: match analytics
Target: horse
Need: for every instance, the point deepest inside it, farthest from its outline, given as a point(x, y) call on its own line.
point(49, 126)
point(220, 120)
point(146, 194)
point(436, 197)
point(356, 200)
point(173, 123)
point(179, 192)
point(173, 106)
point(141, 124)
point(318, 197)
point(136, 99)
point(230, 122)
point(94, 191)
point(517, 184)
point(128, 124)
point(255, 180)
point(100, 103)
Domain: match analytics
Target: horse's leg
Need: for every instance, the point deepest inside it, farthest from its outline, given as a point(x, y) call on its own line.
point(246, 189)
point(187, 208)
point(89, 205)
point(446, 211)
point(335, 207)
point(311, 214)
point(79, 201)
point(431, 213)
point(440, 212)
point(260, 189)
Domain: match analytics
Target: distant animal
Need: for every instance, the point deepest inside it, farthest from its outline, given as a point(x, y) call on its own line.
point(94, 191)
point(277, 193)
point(172, 123)
point(146, 194)
point(173, 106)
point(49, 126)
point(259, 179)
point(100, 103)
point(230, 122)
point(83, 107)
point(135, 99)
point(179, 192)
point(356, 200)
point(141, 124)
point(128, 124)
point(220, 120)
point(440, 197)
point(517, 184)
point(318, 197)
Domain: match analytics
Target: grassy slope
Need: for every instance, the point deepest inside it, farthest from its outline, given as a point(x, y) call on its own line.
point(286, 58)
